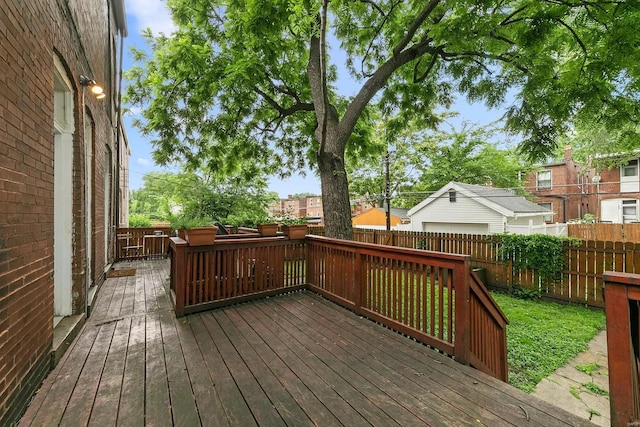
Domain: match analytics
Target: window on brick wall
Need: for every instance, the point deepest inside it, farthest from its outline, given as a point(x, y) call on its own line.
point(547, 205)
point(543, 180)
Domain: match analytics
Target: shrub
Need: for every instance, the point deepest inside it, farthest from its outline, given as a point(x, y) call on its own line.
point(139, 221)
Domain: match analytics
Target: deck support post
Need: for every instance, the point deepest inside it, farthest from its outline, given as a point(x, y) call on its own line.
point(622, 292)
point(462, 341)
point(178, 271)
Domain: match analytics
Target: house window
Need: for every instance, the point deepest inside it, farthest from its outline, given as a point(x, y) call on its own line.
point(631, 169)
point(543, 179)
point(452, 196)
point(547, 205)
point(629, 211)
point(629, 177)
point(310, 203)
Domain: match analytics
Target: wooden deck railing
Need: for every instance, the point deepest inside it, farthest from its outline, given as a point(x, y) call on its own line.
point(142, 243)
point(582, 279)
point(430, 296)
point(622, 307)
point(233, 270)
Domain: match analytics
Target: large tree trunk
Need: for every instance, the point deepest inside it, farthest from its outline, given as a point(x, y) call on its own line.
point(335, 191)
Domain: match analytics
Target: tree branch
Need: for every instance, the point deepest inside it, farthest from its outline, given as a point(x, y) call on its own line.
point(284, 111)
point(413, 28)
point(376, 82)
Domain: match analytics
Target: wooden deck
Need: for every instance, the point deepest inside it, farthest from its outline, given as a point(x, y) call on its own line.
point(291, 360)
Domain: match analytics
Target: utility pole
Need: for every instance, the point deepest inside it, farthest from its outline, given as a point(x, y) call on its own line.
point(387, 189)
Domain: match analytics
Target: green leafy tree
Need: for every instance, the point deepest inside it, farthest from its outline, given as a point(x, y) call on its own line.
point(466, 156)
point(253, 79)
point(596, 146)
point(391, 150)
point(230, 200)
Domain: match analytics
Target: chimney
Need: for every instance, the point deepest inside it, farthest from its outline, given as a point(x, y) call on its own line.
point(567, 152)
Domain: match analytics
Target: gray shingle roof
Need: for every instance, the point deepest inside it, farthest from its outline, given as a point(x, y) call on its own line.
point(504, 198)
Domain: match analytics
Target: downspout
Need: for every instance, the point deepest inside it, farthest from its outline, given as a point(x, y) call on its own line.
point(118, 133)
point(121, 24)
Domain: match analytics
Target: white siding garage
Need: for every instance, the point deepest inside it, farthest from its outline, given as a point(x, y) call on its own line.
point(455, 227)
point(473, 209)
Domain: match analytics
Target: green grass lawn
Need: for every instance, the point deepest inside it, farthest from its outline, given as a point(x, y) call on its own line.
point(543, 336)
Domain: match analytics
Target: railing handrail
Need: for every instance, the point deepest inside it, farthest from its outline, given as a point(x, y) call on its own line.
point(437, 298)
point(464, 283)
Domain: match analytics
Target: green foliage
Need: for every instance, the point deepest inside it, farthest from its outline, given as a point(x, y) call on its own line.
point(519, 291)
point(543, 336)
point(592, 412)
point(586, 219)
point(230, 200)
point(575, 392)
point(186, 221)
point(593, 388)
point(244, 87)
point(466, 156)
point(543, 253)
point(141, 221)
point(589, 368)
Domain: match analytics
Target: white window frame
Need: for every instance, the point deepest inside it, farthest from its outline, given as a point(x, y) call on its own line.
point(630, 204)
point(548, 205)
point(629, 182)
point(538, 180)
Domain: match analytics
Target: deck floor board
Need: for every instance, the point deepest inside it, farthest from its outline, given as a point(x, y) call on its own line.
point(296, 359)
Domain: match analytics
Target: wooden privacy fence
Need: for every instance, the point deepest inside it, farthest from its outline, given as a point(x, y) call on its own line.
point(581, 282)
point(623, 345)
point(432, 297)
point(606, 232)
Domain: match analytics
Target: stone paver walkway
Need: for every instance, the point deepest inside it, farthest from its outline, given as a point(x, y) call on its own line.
point(577, 386)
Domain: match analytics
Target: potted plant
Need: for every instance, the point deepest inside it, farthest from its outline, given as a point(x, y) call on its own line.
point(268, 230)
point(294, 227)
point(195, 230)
point(198, 236)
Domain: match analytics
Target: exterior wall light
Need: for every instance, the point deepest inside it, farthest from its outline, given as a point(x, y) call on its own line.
point(95, 88)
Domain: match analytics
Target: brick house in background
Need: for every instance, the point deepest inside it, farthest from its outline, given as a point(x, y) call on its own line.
point(299, 207)
point(572, 191)
point(63, 163)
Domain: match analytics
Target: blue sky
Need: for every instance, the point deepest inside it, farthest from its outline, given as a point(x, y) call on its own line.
point(153, 14)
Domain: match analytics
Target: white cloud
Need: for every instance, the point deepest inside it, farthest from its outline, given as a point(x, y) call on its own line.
point(153, 14)
point(143, 162)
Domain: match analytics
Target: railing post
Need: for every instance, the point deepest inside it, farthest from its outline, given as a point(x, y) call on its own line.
point(622, 364)
point(178, 270)
point(359, 281)
point(462, 327)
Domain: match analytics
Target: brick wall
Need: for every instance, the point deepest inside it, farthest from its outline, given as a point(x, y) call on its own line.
point(572, 194)
point(32, 32)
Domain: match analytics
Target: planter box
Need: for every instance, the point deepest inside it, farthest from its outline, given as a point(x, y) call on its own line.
point(199, 236)
point(295, 231)
point(267, 230)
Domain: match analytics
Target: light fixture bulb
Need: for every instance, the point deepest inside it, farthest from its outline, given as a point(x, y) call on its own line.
point(101, 95)
point(97, 90)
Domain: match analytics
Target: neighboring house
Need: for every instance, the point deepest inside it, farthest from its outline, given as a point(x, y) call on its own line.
point(376, 218)
point(474, 209)
point(572, 191)
point(299, 207)
point(62, 148)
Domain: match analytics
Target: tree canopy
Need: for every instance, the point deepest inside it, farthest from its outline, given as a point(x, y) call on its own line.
point(244, 85)
point(231, 201)
point(468, 156)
